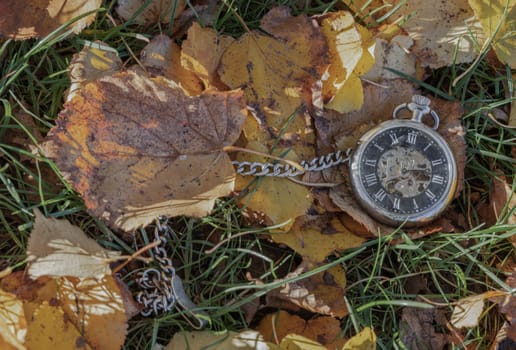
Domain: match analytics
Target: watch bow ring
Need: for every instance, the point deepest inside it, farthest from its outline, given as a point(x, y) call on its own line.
point(403, 171)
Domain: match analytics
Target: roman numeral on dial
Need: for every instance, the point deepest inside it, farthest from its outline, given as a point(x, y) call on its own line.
point(412, 138)
point(396, 203)
point(437, 179)
point(370, 179)
point(380, 194)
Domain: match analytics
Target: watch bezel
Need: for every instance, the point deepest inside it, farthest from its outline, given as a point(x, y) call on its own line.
point(389, 217)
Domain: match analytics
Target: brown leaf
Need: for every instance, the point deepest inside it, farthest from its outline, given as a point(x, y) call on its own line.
point(316, 237)
point(444, 32)
point(501, 205)
point(157, 11)
point(417, 329)
point(325, 330)
point(321, 293)
point(163, 57)
point(25, 19)
point(137, 147)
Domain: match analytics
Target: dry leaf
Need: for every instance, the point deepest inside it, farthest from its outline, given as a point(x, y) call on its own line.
point(273, 196)
point(299, 342)
point(57, 248)
point(25, 19)
point(94, 61)
point(13, 325)
point(246, 340)
point(418, 328)
point(498, 19)
point(467, 311)
point(369, 11)
point(277, 70)
point(49, 328)
point(321, 293)
point(281, 326)
point(316, 237)
point(163, 57)
point(365, 340)
point(97, 308)
point(444, 32)
point(507, 305)
point(201, 54)
point(512, 117)
point(350, 47)
point(156, 11)
point(137, 147)
point(395, 54)
point(501, 205)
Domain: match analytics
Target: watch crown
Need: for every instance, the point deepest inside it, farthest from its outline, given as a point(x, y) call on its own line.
point(421, 100)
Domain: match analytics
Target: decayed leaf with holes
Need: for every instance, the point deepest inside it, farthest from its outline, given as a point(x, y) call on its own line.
point(321, 293)
point(156, 11)
point(245, 340)
point(97, 308)
point(350, 47)
point(316, 237)
point(277, 70)
point(13, 324)
point(444, 32)
point(136, 147)
point(162, 56)
point(25, 19)
point(57, 248)
point(273, 196)
point(94, 61)
point(498, 19)
point(277, 326)
point(364, 340)
point(201, 53)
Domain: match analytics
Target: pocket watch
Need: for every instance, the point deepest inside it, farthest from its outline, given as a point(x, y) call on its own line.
point(403, 171)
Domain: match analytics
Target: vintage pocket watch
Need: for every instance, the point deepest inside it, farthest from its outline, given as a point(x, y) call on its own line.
point(403, 171)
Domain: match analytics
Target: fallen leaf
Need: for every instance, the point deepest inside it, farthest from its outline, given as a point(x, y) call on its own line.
point(467, 311)
point(316, 237)
point(35, 19)
point(282, 326)
point(155, 11)
point(364, 340)
point(49, 328)
point(245, 340)
point(94, 61)
point(395, 54)
point(369, 11)
point(277, 70)
point(57, 248)
point(97, 308)
point(299, 342)
point(507, 305)
point(498, 19)
point(512, 117)
point(13, 325)
point(273, 196)
point(137, 147)
point(321, 293)
point(501, 205)
point(418, 329)
point(349, 47)
point(201, 54)
point(163, 57)
point(444, 32)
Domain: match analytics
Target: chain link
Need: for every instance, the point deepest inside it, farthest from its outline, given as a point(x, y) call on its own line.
point(157, 295)
point(286, 170)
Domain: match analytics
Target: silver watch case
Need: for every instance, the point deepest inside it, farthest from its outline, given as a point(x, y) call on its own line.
point(389, 217)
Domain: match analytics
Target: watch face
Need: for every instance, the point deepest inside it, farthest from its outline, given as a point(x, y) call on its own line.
point(403, 171)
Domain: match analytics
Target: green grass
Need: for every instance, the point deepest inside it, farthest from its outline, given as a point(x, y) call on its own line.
point(381, 275)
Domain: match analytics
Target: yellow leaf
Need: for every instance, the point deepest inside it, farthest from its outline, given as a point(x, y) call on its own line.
point(298, 342)
point(246, 340)
point(201, 53)
point(314, 238)
point(498, 18)
point(349, 47)
point(97, 308)
point(365, 340)
point(58, 248)
point(49, 328)
point(13, 325)
point(274, 196)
